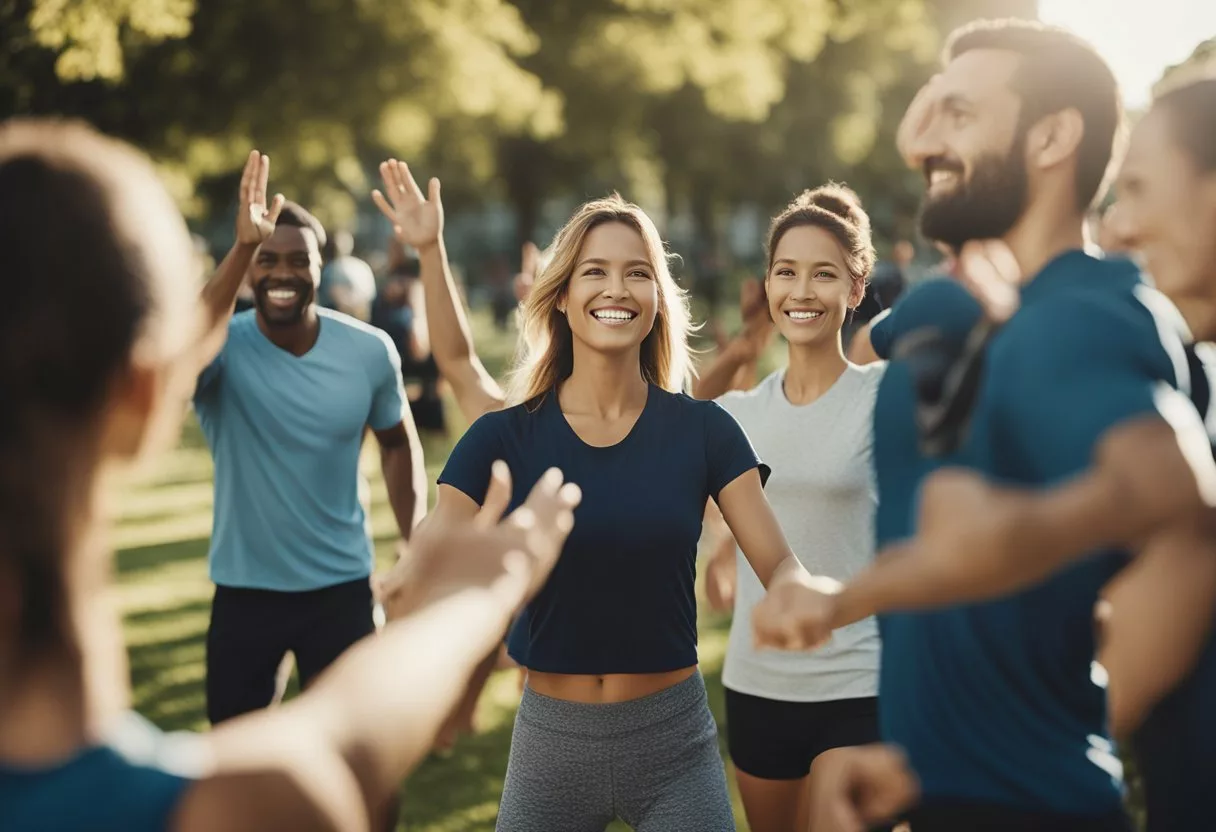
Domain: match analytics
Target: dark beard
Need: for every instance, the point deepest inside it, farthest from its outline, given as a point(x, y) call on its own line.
point(985, 206)
point(275, 316)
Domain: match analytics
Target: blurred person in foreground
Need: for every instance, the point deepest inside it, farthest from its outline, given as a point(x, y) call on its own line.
point(993, 702)
point(101, 339)
point(978, 539)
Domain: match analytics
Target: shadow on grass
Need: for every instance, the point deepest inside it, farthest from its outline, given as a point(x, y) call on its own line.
point(130, 562)
point(167, 673)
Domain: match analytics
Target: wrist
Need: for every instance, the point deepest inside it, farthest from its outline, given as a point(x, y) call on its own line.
point(432, 247)
point(849, 606)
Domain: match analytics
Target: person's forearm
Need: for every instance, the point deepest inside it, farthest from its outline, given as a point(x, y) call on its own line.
point(450, 334)
point(383, 703)
point(219, 293)
point(451, 338)
point(1041, 532)
point(789, 568)
point(218, 297)
point(719, 376)
point(405, 480)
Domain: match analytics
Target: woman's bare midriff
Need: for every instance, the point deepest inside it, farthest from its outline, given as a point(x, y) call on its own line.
point(605, 689)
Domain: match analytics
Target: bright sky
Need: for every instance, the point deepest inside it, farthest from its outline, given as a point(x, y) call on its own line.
point(1138, 38)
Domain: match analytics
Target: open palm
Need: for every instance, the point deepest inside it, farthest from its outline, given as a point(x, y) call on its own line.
point(255, 219)
point(417, 220)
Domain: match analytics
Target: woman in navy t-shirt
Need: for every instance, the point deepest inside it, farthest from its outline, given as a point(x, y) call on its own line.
point(614, 721)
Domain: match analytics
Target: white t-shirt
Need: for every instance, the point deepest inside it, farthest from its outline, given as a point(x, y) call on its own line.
point(823, 492)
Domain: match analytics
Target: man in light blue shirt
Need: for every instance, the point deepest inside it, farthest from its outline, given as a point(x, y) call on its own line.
point(284, 408)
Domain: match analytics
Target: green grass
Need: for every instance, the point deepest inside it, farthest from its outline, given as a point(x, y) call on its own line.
point(162, 525)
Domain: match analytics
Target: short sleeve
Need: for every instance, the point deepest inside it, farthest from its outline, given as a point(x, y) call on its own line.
point(388, 398)
point(882, 333)
point(729, 453)
point(1081, 368)
point(468, 466)
point(940, 304)
point(209, 377)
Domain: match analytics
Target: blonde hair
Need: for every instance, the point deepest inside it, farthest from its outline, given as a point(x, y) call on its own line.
point(546, 350)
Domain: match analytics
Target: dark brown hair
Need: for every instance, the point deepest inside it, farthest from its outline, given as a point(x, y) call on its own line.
point(837, 210)
point(1058, 71)
point(76, 296)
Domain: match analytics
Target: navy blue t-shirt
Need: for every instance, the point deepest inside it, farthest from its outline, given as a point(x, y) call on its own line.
point(621, 598)
point(994, 702)
point(133, 783)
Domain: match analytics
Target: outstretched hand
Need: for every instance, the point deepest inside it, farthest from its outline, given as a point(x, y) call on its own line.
point(417, 220)
point(513, 555)
point(916, 121)
point(255, 219)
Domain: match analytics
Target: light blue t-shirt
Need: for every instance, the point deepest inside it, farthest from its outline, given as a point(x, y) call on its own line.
point(285, 432)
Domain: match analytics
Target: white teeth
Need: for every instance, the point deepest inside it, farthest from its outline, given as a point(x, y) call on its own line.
point(281, 294)
point(613, 315)
point(937, 177)
point(800, 315)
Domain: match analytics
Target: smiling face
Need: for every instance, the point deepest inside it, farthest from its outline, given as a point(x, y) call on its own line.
point(285, 274)
point(1166, 212)
point(810, 289)
point(971, 154)
point(611, 299)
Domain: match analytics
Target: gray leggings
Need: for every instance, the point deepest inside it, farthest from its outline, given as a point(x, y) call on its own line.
point(652, 762)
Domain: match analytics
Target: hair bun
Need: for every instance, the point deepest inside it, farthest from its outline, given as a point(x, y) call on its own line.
point(839, 200)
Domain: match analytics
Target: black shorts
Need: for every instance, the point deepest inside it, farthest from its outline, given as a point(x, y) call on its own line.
point(959, 816)
point(252, 629)
point(776, 740)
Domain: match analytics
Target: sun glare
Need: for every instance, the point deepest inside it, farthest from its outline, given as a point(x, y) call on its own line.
point(1139, 38)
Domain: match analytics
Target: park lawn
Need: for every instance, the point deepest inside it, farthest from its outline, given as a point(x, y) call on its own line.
point(162, 526)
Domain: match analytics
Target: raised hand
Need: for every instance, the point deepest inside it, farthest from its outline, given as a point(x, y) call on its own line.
point(417, 220)
point(489, 551)
point(758, 324)
point(916, 121)
point(795, 614)
point(255, 219)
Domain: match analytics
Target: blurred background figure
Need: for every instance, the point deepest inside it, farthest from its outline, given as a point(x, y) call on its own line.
point(348, 284)
point(399, 309)
point(890, 278)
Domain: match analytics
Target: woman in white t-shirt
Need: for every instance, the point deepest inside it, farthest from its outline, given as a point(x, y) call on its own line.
point(813, 420)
